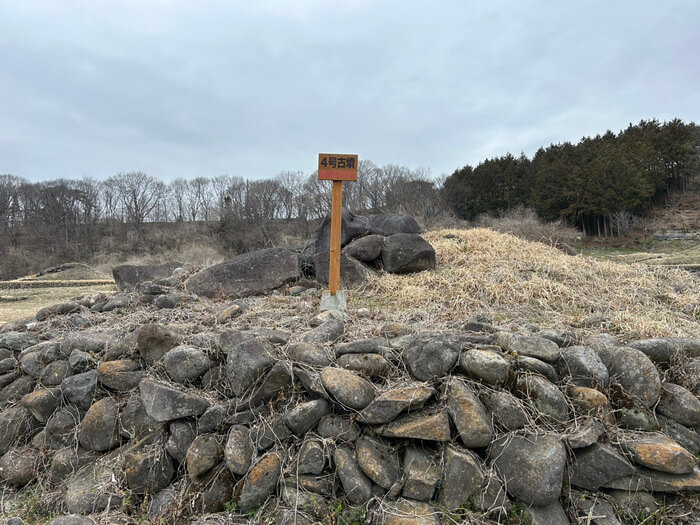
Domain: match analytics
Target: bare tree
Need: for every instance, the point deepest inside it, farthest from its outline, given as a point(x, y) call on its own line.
point(140, 195)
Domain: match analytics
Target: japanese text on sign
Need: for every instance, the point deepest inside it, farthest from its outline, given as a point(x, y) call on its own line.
point(332, 166)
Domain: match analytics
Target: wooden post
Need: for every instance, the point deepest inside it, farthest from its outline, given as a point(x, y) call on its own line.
point(336, 219)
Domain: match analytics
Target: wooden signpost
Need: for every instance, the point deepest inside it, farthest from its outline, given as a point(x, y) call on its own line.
point(337, 168)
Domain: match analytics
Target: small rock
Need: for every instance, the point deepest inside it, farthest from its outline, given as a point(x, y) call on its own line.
point(461, 478)
point(148, 469)
point(635, 373)
point(387, 406)
point(214, 491)
point(365, 249)
point(154, 341)
point(90, 342)
point(432, 354)
point(305, 416)
point(529, 346)
point(16, 424)
point(562, 339)
point(378, 461)
point(638, 503)
point(309, 354)
point(311, 457)
point(348, 388)
point(56, 309)
point(327, 332)
point(164, 402)
point(184, 363)
point(99, 429)
point(68, 460)
point(531, 466)
point(530, 364)
point(408, 512)
point(357, 486)
point(372, 365)
point(269, 432)
point(584, 366)
point(80, 361)
point(586, 434)
point(484, 365)
point(17, 341)
point(60, 427)
point(15, 390)
point(42, 403)
point(545, 396)
point(686, 437)
point(392, 330)
point(121, 375)
point(361, 346)
point(136, 423)
point(656, 481)
point(259, 483)
point(327, 315)
point(427, 425)
point(596, 511)
point(636, 418)
point(658, 350)
point(552, 514)
point(54, 373)
point(508, 411)
point(81, 496)
point(182, 434)
point(18, 467)
point(203, 454)
point(338, 428)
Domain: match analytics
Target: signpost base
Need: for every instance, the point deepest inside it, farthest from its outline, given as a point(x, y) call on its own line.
point(334, 302)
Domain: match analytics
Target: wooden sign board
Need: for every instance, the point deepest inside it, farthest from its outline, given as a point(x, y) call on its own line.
point(334, 166)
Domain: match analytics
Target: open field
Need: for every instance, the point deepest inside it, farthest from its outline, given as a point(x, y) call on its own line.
point(23, 303)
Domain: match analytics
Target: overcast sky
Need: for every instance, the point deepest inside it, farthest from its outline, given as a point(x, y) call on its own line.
point(251, 88)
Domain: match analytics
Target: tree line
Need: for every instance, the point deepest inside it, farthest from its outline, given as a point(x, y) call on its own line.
point(73, 219)
point(597, 185)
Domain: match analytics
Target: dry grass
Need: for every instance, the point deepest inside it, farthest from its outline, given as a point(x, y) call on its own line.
point(504, 277)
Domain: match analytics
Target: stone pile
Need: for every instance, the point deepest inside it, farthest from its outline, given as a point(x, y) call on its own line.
point(403, 427)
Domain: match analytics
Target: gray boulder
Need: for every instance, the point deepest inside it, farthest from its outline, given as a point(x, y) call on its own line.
point(164, 402)
point(421, 472)
point(461, 478)
point(238, 451)
point(352, 272)
point(127, 276)
point(253, 273)
point(532, 466)
point(407, 253)
point(679, 404)
point(469, 416)
point(365, 249)
point(597, 465)
point(348, 388)
point(354, 226)
point(544, 395)
point(148, 469)
point(635, 373)
point(259, 483)
point(584, 366)
point(432, 354)
point(529, 346)
point(487, 366)
point(184, 363)
point(247, 361)
point(80, 388)
point(99, 429)
point(378, 461)
point(357, 486)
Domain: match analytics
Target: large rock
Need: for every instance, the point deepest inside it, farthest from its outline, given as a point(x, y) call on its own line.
point(42, 403)
point(378, 461)
point(658, 452)
point(461, 477)
point(508, 411)
point(529, 346)
point(634, 372)
point(164, 402)
point(16, 424)
point(203, 454)
point(387, 406)
point(597, 465)
point(366, 249)
point(487, 366)
point(253, 273)
point(357, 486)
point(184, 363)
point(18, 467)
point(17, 341)
point(407, 253)
point(247, 361)
point(352, 272)
point(432, 354)
point(421, 472)
point(121, 375)
point(80, 388)
point(584, 366)
point(99, 429)
point(469, 416)
point(259, 483)
point(348, 388)
point(81, 494)
point(430, 425)
point(305, 416)
point(127, 276)
point(531, 466)
point(656, 481)
point(679, 404)
point(56, 309)
point(148, 469)
point(545, 396)
point(354, 226)
point(409, 512)
point(154, 341)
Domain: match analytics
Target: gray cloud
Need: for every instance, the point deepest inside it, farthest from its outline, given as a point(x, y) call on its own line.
point(179, 88)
